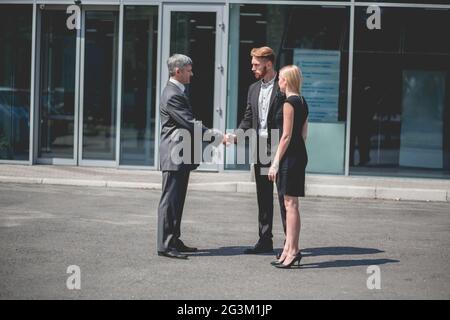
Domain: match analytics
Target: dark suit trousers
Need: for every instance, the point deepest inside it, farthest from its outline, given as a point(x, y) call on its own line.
point(264, 190)
point(170, 210)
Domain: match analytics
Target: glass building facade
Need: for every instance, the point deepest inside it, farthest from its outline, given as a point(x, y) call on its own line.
point(81, 85)
point(15, 67)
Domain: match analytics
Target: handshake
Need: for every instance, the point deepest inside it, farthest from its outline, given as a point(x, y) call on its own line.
point(224, 138)
point(229, 138)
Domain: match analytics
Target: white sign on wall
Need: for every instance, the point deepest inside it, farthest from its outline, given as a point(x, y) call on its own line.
point(321, 77)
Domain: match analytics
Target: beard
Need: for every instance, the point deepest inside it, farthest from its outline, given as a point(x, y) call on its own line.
point(261, 74)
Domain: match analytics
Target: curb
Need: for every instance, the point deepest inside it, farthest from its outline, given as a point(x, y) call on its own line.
point(6, 179)
point(314, 189)
point(74, 182)
point(412, 194)
point(340, 191)
point(133, 185)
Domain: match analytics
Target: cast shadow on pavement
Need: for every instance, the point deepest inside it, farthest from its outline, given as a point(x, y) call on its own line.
point(341, 251)
point(225, 251)
point(346, 263)
point(338, 251)
point(311, 252)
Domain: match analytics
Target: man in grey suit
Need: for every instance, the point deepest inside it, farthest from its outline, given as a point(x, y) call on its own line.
point(176, 117)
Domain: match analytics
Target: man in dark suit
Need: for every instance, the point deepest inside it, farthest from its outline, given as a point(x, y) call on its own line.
point(176, 120)
point(263, 97)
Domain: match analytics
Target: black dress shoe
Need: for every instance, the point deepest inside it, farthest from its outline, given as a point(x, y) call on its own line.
point(260, 248)
point(172, 254)
point(181, 247)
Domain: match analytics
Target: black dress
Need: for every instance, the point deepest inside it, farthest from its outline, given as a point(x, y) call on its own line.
point(291, 172)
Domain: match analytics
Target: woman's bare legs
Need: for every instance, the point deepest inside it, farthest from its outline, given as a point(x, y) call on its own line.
point(293, 225)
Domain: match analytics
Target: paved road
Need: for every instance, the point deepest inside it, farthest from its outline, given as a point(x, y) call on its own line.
point(110, 234)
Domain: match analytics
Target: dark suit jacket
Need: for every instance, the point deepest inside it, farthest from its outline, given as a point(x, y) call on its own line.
point(251, 115)
point(176, 114)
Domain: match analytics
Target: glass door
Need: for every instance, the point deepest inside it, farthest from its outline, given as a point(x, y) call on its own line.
point(77, 81)
point(99, 43)
point(57, 78)
point(199, 32)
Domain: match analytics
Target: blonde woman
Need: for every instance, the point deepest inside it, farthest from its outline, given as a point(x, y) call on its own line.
point(288, 167)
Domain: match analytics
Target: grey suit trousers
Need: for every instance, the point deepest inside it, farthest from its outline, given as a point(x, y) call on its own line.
point(170, 210)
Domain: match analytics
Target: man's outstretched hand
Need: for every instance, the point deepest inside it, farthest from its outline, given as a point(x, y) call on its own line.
point(229, 138)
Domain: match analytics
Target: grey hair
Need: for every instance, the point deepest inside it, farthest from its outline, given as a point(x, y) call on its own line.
point(177, 61)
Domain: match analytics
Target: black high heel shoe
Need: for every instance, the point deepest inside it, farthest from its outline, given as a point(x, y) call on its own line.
point(297, 259)
point(276, 262)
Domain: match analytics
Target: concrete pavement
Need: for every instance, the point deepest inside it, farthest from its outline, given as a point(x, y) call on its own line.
point(110, 233)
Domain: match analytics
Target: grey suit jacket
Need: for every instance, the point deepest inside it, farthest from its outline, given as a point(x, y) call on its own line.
point(176, 114)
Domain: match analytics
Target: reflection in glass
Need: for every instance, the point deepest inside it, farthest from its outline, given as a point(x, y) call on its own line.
point(409, 1)
point(15, 58)
point(194, 34)
point(137, 132)
point(316, 39)
point(57, 86)
point(99, 102)
point(400, 106)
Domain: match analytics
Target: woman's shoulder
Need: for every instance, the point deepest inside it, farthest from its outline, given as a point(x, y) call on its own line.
point(295, 100)
point(298, 103)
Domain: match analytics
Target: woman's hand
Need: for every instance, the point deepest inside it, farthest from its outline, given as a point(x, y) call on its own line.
point(273, 171)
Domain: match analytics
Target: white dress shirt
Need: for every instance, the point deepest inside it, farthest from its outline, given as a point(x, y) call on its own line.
point(178, 84)
point(264, 104)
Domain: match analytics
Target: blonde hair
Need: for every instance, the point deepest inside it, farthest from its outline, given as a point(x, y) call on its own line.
point(294, 78)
